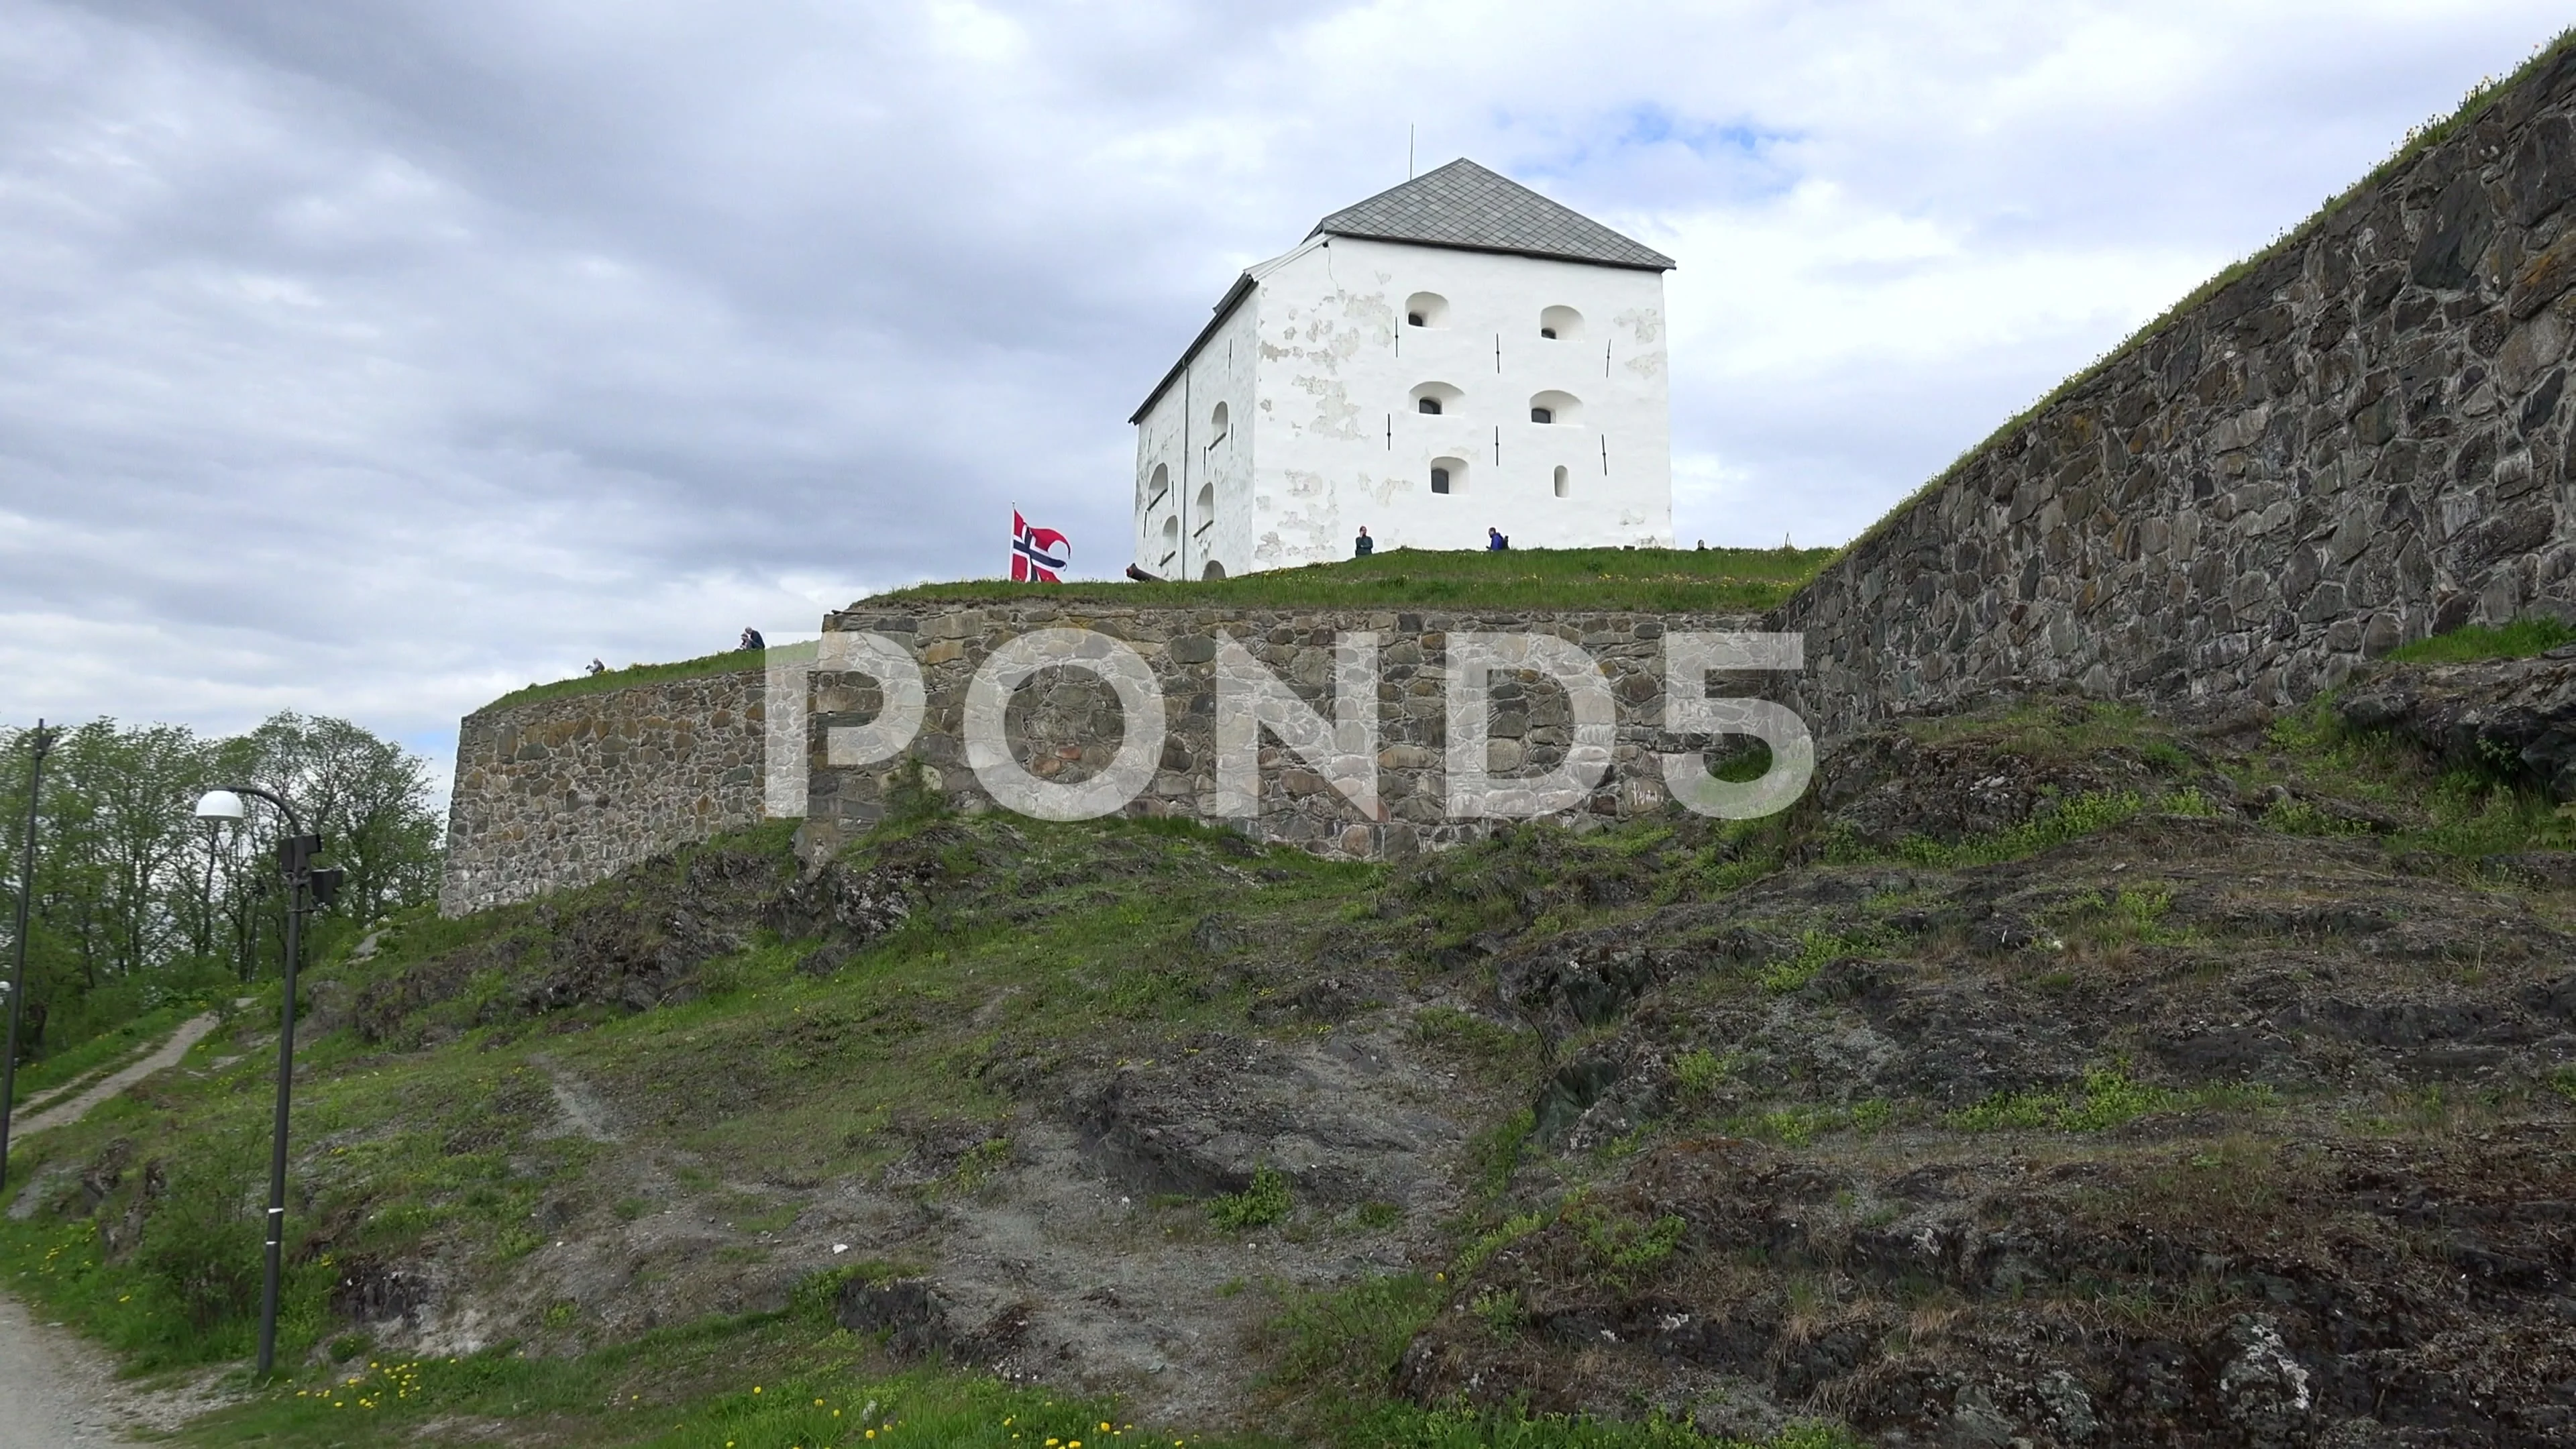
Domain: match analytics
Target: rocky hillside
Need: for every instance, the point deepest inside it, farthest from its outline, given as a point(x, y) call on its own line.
point(2056, 1074)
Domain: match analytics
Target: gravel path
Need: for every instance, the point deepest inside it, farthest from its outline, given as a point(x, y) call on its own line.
point(55, 1391)
point(190, 1032)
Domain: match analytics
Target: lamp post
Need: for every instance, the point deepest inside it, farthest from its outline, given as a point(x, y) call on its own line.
point(41, 741)
point(307, 889)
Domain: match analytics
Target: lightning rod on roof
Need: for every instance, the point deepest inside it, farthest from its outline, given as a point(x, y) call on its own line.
point(1408, 150)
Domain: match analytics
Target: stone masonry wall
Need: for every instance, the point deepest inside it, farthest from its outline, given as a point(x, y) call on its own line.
point(2362, 440)
point(1066, 727)
point(564, 791)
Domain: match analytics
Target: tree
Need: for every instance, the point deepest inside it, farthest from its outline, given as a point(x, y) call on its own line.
point(136, 900)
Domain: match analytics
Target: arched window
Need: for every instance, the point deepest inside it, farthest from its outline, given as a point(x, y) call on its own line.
point(1426, 309)
point(1560, 480)
point(1171, 538)
point(1204, 508)
point(1448, 475)
point(1158, 485)
point(1214, 570)
point(1217, 425)
point(1436, 398)
point(1555, 407)
point(1562, 324)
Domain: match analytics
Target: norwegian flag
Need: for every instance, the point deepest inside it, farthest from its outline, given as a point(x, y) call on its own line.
point(1037, 553)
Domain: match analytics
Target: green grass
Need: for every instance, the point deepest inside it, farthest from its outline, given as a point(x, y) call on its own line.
point(1817, 949)
point(731, 661)
point(2072, 819)
point(2108, 1097)
point(1717, 580)
point(100, 1052)
point(1261, 1205)
point(2465, 811)
point(2520, 639)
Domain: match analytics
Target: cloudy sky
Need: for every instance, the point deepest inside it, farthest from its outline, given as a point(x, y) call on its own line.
point(373, 358)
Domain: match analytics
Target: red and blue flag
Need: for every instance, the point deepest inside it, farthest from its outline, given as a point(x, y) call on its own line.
point(1037, 554)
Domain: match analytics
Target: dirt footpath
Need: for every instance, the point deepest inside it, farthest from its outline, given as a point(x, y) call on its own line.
point(54, 1390)
point(162, 1058)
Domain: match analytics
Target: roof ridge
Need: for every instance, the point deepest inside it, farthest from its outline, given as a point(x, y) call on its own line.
point(1472, 208)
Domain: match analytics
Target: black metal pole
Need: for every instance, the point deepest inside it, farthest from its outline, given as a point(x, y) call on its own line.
point(277, 1146)
point(39, 743)
point(295, 865)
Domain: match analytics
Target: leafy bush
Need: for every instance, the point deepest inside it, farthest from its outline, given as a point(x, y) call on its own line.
point(1258, 1206)
point(201, 1242)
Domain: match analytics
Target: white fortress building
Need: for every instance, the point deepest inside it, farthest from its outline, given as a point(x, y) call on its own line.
point(1455, 354)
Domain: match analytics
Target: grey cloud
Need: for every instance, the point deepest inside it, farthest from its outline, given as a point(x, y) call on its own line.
point(374, 357)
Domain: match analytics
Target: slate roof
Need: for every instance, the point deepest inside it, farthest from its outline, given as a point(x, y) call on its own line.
point(1464, 205)
point(1460, 205)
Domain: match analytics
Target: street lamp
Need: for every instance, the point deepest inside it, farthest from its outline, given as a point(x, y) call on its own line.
point(307, 889)
point(41, 741)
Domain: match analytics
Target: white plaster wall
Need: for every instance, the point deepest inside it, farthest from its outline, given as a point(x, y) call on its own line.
point(1222, 372)
point(1339, 444)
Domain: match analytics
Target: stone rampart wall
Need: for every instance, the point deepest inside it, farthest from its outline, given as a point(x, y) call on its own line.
point(564, 791)
point(2362, 440)
point(1065, 726)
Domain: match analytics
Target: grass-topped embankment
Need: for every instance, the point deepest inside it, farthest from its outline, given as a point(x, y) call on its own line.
point(1294, 1151)
point(2521, 639)
point(1714, 580)
point(634, 674)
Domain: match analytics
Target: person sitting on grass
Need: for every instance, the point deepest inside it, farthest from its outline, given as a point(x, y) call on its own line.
point(1363, 546)
point(1495, 542)
point(751, 640)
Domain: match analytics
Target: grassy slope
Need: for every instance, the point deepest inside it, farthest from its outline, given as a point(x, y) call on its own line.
point(434, 1137)
point(434, 1134)
point(633, 674)
point(1746, 580)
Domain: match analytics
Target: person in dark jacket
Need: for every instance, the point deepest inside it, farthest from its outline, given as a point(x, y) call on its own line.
point(1363, 546)
point(1495, 542)
point(751, 640)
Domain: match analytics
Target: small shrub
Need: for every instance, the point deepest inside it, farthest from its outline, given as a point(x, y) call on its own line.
point(1816, 949)
point(1348, 1340)
point(202, 1244)
point(1699, 1072)
point(1511, 1230)
point(2294, 816)
point(2073, 819)
point(1500, 1310)
point(2108, 1098)
point(1258, 1206)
